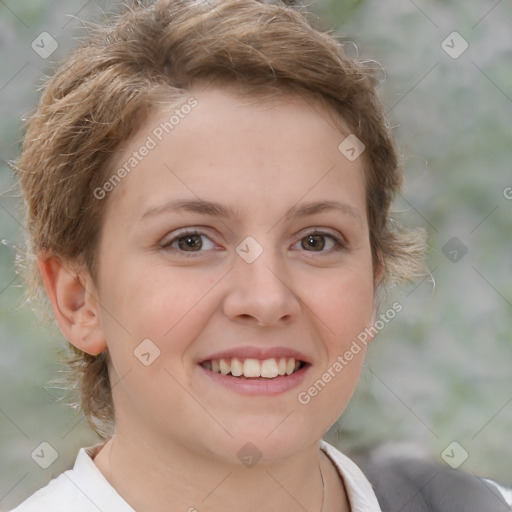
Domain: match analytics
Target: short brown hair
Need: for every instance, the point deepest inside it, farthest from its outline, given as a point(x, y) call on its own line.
point(152, 54)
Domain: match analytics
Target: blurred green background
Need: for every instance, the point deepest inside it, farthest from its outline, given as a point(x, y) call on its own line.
point(441, 371)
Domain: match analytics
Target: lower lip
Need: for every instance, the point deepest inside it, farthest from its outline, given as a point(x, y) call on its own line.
point(261, 386)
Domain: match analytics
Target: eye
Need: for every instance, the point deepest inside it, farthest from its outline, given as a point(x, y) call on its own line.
point(188, 242)
point(316, 242)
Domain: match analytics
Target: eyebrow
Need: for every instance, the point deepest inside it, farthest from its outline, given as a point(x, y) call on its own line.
point(214, 209)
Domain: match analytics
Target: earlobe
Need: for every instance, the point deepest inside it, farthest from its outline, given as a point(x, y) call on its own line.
point(75, 308)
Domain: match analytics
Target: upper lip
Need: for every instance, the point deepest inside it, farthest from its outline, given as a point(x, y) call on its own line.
point(252, 352)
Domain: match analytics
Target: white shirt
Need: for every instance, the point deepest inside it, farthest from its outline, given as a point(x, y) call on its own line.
point(505, 492)
point(85, 489)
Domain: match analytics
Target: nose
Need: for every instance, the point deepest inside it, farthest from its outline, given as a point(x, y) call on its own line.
point(262, 292)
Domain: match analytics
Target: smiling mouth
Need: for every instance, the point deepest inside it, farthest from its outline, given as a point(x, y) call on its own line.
point(254, 368)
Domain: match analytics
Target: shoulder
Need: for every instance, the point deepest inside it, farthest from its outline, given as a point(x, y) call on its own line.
point(81, 489)
point(56, 496)
point(359, 490)
point(411, 484)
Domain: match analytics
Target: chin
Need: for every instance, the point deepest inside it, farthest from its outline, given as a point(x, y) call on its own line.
point(267, 442)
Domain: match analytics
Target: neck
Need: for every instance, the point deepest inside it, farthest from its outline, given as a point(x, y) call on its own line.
point(150, 477)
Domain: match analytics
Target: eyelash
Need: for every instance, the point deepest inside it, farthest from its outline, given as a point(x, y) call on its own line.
point(339, 245)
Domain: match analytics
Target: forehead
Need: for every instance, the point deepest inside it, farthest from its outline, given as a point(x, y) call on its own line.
point(217, 144)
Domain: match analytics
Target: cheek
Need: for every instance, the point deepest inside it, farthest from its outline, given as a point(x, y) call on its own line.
point(343, 308)
point(155, 302)
point(343, 302)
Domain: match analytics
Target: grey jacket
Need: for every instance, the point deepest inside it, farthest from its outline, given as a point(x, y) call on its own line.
point(407, 484)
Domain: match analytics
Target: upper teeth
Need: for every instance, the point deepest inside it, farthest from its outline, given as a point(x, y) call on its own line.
point(268, 368)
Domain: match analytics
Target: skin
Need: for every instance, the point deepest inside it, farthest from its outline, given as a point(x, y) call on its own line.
point(177, 435)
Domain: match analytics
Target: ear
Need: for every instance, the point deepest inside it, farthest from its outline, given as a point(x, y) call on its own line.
point(71, 293)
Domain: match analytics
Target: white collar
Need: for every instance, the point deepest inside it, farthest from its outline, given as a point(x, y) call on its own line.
point(359, 490)
point(89, 479)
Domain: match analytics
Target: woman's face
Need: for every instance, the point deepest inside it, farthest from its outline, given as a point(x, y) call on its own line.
point(240, 232)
